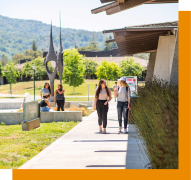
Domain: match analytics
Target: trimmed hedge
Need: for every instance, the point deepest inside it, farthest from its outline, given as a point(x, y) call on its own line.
point(155, 113)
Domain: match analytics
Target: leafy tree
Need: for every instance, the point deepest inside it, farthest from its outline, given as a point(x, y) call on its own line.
point(115, 71)
point(73, 72)
point(142, 56)
point(90, 66)
point(30, 54)
point(34, 47)
point(93, 45)
point(18, 57)
point(109, 71)
point(130, 68)
point(4, 60)
point(1, 68)
point(109, 46)
point(40, 70)
point(11, 73)
point(76, 47)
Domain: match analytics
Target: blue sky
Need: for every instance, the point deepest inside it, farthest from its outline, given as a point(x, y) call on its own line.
point(77, 13)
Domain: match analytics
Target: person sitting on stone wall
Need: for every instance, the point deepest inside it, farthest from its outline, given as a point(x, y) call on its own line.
point(44, 104)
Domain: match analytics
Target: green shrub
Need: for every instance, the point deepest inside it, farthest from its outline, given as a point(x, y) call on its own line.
point(155, 114)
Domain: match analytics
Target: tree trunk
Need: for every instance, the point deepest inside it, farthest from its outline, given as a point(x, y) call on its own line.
point(73, 90)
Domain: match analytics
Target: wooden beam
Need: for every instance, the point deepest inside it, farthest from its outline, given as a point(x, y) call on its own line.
point(141, 29)
point(162, 1)
point(138, 35)
point(106, 1)
point(139, 51)
point(103, 8)
point(127, 5)
point(136, 51)
point(110, 41)
point(139, 38)
point(114, 49)
point(144, 47)
point(138, 41)
point(121, 1)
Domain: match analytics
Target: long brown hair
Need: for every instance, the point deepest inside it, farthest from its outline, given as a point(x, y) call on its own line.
point(46, 96)
point(60, 87)
point(125, 83)
point(99, 88)
point(48, 86)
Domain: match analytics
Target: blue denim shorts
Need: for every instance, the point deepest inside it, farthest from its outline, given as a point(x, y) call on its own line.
point(45, 109)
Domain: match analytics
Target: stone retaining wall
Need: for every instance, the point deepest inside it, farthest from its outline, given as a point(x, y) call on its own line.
point(17, 105)
point(12, 118)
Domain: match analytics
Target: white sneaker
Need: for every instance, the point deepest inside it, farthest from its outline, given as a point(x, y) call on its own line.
point(125, 131)
point(119, 129)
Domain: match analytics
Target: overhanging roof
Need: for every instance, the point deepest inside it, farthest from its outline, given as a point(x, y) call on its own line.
point(121, 5)
point(134, 40)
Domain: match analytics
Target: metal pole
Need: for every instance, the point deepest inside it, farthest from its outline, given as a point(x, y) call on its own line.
point(34, 84)
point(10, 90)
point(88, 92)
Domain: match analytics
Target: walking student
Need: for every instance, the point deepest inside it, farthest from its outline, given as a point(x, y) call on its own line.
point(44, 104)
point(59, 98)
point(123, 103)
point(45, 90)
point(95, 87)
point(102, 97)
point(115, 88)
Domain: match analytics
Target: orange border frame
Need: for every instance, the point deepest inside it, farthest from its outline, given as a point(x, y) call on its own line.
point(184, 129)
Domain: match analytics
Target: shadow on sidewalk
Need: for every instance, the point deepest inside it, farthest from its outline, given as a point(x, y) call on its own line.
point(100, 141)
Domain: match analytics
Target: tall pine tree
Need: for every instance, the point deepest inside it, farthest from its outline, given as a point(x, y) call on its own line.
point(34, 47)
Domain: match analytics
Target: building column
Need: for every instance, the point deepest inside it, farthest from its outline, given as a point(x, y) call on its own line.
point(151, 65)
point(174, 71)
point(164, 57)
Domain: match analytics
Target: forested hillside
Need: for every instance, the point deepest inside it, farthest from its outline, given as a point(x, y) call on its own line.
point(17, 35)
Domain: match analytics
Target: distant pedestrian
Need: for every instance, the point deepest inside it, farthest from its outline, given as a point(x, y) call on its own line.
point(123, 103)
point(45, 90)
point(95, 87)
point(115, 88)
point(44, 104)
point(102, 97)
point(59, 98)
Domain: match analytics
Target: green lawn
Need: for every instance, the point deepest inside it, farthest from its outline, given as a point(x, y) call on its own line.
point(23, 87)
point(17, 146)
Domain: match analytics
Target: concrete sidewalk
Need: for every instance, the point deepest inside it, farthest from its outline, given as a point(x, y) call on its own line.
point(85, 148)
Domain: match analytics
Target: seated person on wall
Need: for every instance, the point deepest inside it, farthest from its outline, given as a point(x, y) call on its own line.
point(44, 104)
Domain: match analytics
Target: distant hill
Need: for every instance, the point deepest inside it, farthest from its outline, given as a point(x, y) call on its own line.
point(16, 35)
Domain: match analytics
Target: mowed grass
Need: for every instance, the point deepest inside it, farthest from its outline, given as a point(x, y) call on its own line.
point(17, 146)
point(21, 88)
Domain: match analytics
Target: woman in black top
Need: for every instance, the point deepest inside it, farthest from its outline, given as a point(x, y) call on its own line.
point(44, 104)
point(59, 97)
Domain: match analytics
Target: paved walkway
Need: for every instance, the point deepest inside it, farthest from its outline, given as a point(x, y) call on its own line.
point(85, 148)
